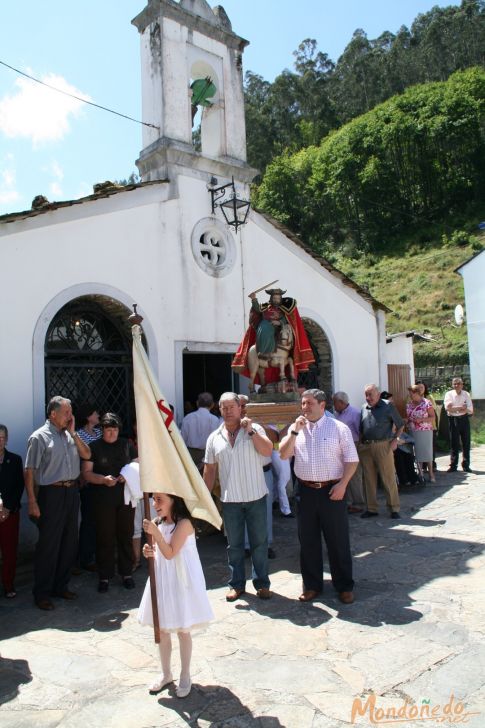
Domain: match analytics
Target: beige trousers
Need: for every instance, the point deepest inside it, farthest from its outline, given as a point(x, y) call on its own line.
point(378, 458)
point(355, 490)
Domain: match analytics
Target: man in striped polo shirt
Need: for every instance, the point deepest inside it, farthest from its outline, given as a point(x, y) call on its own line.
point(239, 447)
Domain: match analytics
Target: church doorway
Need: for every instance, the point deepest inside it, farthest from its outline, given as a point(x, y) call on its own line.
point(87, 356)
point(320, 374)
point(207, 372)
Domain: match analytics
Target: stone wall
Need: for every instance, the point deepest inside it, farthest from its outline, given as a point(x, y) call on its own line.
point(439, 377)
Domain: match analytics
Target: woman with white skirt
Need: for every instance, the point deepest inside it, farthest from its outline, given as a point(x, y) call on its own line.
point(421, 417)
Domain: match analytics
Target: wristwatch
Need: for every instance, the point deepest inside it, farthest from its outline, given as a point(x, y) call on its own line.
point(294, 432)
point(253, 432)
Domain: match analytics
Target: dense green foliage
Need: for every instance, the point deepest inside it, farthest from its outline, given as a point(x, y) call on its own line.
point(421, 288)
point(417, 158)
point(378, 162)
point(302, 106)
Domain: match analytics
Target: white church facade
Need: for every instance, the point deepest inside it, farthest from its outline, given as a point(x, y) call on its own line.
point(72, 270)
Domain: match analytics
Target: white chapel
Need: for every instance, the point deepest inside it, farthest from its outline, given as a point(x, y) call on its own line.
point(71, 270)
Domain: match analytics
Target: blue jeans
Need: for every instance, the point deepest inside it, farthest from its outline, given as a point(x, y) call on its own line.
point(252, 515)
point(269, 478)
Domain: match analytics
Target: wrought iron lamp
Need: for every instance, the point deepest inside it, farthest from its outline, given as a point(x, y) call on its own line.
point(234, 209)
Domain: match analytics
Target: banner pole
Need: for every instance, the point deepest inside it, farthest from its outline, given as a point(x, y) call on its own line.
point(135, 320)
point(151, 574)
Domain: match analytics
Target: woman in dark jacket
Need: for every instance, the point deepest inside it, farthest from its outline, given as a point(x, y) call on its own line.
point(87, 420)
point(11, 489)
point(114, 520)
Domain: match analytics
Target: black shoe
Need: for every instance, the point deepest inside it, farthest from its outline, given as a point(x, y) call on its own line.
point(368, 514)
point(451, 469)
point(271, 553)
point(395, 515)
point(44, 604)
point(103, 586)
point(247, 553)
point(467, 469)
point(66, 594)
point(128, 582)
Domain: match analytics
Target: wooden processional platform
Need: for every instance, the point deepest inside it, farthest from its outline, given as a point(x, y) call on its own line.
point(281, 411)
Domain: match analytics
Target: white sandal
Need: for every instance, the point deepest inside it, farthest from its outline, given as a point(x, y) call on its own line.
point(158, 685)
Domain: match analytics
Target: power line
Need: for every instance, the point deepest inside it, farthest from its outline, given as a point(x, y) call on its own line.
point(78, 98)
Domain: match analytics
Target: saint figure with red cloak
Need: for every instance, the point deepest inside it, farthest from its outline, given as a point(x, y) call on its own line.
point(275, 346)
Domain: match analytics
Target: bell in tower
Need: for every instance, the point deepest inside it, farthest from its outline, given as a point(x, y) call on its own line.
point(191, 74)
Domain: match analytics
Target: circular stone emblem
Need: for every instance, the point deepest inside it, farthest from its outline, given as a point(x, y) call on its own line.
point(213, 247)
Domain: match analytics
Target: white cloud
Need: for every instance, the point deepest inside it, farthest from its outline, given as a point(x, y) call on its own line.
point(8, 191)
point(57, 170)
point(55, 189)
point(54, 169)
point(39, 113)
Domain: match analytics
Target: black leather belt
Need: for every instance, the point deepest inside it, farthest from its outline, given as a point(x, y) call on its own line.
point(64, 483)
point(266, 468)
point(371, 442)
point(317, 484)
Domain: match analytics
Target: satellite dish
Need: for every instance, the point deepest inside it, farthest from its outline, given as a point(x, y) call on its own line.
point(459, 314)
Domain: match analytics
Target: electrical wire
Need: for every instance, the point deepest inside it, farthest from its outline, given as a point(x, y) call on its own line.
point(78, 98)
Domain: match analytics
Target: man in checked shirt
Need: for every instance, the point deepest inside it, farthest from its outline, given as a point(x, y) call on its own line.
point(325, 460)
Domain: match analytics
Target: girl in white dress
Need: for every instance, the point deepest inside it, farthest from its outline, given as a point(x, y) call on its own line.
point(181, 592)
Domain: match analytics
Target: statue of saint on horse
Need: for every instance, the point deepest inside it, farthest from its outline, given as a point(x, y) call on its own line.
point(275, 346)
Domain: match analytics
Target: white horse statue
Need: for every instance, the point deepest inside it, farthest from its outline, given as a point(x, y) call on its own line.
point(280, 358)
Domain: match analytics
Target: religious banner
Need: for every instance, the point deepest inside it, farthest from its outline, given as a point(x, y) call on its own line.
point(165, 463)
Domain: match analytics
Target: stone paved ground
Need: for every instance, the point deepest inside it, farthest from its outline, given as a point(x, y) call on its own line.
point(415, 633)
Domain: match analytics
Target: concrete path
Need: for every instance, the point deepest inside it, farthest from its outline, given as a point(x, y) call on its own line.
point(414, 635)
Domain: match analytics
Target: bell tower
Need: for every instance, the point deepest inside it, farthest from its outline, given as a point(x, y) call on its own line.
point(191, 70)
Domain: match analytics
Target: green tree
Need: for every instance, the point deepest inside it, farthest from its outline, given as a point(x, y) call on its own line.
point(418, 156)
point(292, 112)
point(133, 179)
point(303, 105)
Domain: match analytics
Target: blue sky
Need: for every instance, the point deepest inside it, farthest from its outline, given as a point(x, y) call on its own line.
point(58, 147)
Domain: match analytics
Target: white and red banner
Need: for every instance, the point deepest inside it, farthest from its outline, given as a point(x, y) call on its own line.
point(165, 463)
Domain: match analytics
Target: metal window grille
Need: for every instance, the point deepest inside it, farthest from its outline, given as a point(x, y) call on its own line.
point(88, 359)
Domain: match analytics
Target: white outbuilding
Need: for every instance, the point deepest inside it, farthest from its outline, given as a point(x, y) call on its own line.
point(72, 270)
point(473, 274)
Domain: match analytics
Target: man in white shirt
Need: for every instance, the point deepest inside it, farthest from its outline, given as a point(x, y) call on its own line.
point(198, 425)
point(238, 448)
point(459, 408)
point(325, 460)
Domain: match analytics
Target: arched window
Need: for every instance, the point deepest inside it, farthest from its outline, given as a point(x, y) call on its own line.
point(88, 356)
point(207, 109)
point(320, 374)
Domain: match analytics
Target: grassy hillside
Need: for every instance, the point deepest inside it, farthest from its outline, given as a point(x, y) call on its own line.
point(418, 283)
